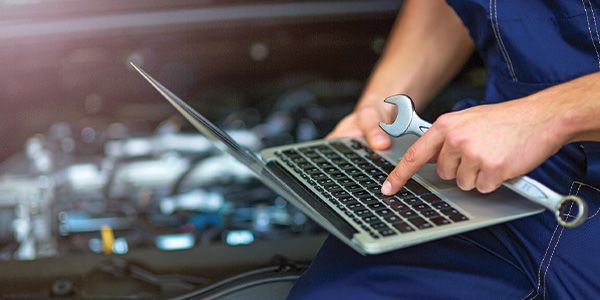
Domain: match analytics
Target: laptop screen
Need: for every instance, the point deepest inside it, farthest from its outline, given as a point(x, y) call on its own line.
point(267, 174)
point(217, 136)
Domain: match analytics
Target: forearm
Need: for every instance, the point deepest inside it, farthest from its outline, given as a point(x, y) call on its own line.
point(427, 47)
point(573, 107)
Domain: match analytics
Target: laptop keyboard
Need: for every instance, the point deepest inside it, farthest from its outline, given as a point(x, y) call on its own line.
point(352, 182)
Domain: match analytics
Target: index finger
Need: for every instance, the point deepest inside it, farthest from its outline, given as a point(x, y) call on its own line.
point(420, 153)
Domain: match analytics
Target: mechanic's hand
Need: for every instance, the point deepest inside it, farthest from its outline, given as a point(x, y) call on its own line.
point(364, 122)
point(483, 146)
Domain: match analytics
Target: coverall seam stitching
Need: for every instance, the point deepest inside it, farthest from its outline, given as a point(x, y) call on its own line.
point(587, 19)
point(500, 42)
point(539, 272)
point(595, 189)
point(595, 27)
point(556, 245)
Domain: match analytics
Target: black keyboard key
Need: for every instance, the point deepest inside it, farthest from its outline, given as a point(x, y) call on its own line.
point(454, 215)
point(412, 201)
point(325, 181)
point(319, 160)
point(346, 166)
point(370, 218)
point(358, 160)
point(325, 165)
point(355, 206)
point(299, 160)
point(364, 165)
point(341, 147)
point(346, 200)
point(440, 221)
point(346, 182)
point(458, 218)
point(353, 172)
point(380, 178)
point(362, 212)
point(393, 219)
point(338, 176)
point(408, 213)
point(377, 206)
point(325, 150)
point(375, 190)
point(332, 155)
point(387, 232)
point(379, 225)
point(420, 223)
point(383, 212)
point(352, 156)
point(441, 205)
point(361, 177)
point(332, 171)
point(405, 194)
point(373, 156)
point(374, 172)
point(399, 206)
point(361, 193)
point(340, 194)
point(416, 187)
point(353, 188)
point(389, 200)
point(332, 188)
point(403, 227)
point(305, 166)
point(368, 183)
point(368, 200)
point(312, 155)
point(377, 193)
point(385, 165)
point(291, 153)
point(318, 176)
point(421, 207)
point(431, 198)
point(338, 161)
point(430, 214)
point(356, 145)
point(312, 171)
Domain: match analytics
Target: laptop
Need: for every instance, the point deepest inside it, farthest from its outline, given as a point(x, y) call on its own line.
point(337, 184)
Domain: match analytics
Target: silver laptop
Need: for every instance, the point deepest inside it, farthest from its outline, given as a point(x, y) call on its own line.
point(337, 184)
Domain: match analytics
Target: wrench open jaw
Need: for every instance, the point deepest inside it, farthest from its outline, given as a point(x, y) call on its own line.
point(407, 121)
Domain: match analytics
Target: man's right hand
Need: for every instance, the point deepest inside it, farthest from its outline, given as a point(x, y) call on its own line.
point(427, 47)
point(364, 122)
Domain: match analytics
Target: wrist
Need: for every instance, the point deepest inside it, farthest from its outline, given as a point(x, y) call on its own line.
point(557, 118)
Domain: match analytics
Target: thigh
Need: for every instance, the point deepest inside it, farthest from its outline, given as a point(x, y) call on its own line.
point(460, 267)
point(567, 264)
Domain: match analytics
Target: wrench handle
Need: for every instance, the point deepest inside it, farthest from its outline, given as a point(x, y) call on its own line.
point(417, 125)
point(529, 188)
point(541, 194)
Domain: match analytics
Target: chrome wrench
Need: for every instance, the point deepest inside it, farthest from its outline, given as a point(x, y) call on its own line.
point(408, 122)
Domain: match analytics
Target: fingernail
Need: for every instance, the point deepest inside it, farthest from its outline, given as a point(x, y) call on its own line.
point(386, 188)
point(378, 139)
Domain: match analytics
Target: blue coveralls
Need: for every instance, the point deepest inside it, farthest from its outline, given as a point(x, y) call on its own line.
point(527, 46)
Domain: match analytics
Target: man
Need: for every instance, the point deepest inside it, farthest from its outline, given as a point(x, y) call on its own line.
point(543, 56)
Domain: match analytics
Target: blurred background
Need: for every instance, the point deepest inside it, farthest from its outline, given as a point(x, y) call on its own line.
point(105, 192)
